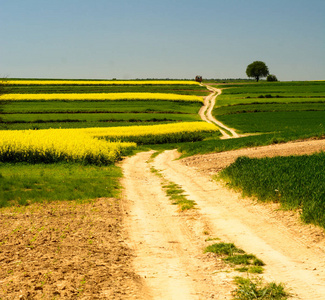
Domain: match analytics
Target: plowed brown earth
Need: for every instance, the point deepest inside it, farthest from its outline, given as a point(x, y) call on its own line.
point(65, 250)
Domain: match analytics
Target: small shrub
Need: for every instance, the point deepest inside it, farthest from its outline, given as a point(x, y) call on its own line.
point(271, 78)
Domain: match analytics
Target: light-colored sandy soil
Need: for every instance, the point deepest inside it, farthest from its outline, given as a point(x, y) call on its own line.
point(169, 244)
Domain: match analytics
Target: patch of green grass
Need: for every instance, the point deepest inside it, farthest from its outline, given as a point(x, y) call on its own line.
point(224, 248)
point(249, 289)
point(297, 182)
point(235, 256)
point(175, 192)
point(244, 259)
point(24, 183)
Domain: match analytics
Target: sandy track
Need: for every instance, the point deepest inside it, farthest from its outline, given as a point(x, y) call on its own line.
point(289, 257)
point(168, 244)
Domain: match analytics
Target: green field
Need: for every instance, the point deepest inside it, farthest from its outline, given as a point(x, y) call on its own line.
point(264, 107)
point(22, 183)
point(49, 89)
point(297, 182)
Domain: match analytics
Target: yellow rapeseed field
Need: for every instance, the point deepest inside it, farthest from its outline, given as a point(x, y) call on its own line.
point(126, 131)
point(103, 96)
point(156, 134)
point(99, 82)
point(90, 145)
point(53, 145)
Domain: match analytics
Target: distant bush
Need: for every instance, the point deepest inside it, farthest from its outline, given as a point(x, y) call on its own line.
point(271, 78)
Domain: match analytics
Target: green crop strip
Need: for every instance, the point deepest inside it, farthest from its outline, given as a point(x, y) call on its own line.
point(297, 182)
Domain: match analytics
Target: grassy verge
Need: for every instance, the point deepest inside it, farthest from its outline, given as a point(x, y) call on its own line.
point(297, 182)
point(21, 184)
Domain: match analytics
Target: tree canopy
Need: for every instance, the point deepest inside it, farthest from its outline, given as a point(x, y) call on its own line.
point(257, 69)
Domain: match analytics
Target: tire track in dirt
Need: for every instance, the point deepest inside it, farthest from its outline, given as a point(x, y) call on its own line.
point(288, 258)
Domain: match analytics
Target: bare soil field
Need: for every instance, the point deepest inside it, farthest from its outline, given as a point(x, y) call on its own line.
point(65, 250)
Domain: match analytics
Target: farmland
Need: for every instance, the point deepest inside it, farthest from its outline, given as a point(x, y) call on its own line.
point(59, 145)
point(297, 107)
point(92, 105)
point(46, 121)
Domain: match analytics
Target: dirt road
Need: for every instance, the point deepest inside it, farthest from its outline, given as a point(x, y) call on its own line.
point(206, 113)
point(169, 244)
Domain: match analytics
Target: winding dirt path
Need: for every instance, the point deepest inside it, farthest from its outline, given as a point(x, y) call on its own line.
point(206, 113)
point(169, 244)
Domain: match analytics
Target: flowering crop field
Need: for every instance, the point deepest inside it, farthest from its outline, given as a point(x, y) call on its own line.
point(102, 96)
point(156, 134)
point(91, 145)
point(99, 82)
point(54, 145)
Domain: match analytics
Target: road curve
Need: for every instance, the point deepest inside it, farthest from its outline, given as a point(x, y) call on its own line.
point(206, 113)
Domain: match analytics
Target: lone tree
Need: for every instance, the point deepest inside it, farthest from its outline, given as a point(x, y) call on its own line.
point(257, 69)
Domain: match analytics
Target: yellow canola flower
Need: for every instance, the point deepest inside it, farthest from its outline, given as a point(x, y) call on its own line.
point(90, 145)
point(126, 131)
point(101, 82)
point(53, 145)
point(103, 96)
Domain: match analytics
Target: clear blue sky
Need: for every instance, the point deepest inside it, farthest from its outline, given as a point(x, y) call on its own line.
point(128, 39)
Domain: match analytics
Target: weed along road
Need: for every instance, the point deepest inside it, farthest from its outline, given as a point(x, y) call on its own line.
point(169, 243)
